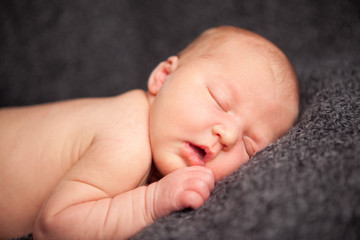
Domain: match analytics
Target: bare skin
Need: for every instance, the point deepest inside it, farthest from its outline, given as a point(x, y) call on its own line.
point(82, 166)
point(72, 139)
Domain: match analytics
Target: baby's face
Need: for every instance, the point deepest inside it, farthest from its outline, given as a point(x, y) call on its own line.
point(216, 112)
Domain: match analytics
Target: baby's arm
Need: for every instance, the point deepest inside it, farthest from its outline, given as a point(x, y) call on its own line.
point(92, 201)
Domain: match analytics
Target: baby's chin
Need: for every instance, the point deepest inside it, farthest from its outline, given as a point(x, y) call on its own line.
point(168, 164)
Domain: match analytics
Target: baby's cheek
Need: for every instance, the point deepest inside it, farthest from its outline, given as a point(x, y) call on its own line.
point(227, 162)
point(167, 162)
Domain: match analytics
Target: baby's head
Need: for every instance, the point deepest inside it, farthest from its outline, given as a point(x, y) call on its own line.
point(226, 96)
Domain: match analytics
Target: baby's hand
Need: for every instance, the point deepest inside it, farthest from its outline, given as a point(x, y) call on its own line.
point(183, 188)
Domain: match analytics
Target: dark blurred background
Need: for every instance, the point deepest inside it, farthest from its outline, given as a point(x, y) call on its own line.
point(304, 186)
point(54, 50)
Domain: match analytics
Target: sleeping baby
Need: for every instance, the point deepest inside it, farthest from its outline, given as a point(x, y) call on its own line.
point(80, 169)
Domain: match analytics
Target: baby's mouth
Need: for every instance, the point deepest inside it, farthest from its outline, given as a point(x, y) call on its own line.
point(194, 154)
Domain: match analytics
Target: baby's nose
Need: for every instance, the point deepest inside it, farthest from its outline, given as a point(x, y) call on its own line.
point(228, 134)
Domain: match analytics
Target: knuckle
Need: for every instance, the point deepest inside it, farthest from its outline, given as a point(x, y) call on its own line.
point(199, 184)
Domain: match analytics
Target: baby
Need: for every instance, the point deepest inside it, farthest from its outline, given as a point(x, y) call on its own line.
point(80, 169)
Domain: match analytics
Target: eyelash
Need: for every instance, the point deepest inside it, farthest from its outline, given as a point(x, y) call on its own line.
point(218, 102)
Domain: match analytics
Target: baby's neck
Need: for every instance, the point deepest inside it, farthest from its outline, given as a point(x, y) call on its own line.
point(150, 98)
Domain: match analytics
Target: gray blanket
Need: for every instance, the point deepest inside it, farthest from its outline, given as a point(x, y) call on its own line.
point(306, 185)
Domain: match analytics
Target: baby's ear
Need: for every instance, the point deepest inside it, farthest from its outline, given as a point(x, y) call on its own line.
point(160, 74)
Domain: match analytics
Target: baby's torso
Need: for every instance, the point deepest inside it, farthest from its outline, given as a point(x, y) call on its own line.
point(39, 144)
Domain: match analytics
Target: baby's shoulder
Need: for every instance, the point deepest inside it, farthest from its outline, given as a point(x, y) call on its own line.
point(131, 106)
point(134, 100)
point(124, 130)
point(126, 117)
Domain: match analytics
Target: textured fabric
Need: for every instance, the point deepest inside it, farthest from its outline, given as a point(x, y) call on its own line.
point(306, 185)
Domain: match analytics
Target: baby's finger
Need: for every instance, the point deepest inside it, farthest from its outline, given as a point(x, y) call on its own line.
point(205, 174)
point(191, 199)
point(199, 186)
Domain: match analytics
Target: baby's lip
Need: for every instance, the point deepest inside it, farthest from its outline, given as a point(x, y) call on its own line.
point(197, 155)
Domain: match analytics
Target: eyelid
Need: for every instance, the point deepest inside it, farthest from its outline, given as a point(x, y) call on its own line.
point(249, 147)
point(219, 100)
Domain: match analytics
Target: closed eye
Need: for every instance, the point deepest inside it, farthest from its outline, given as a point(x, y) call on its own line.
point(218, 100)
point(249, 146)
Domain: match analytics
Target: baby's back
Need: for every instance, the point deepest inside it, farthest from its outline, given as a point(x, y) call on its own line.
point(38, 145)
